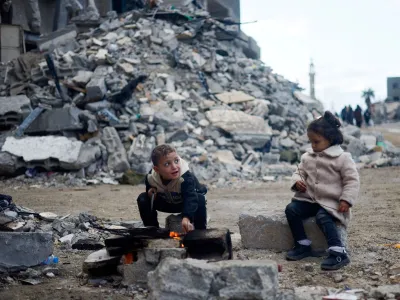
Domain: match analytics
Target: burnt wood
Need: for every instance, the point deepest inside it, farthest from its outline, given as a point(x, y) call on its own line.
point(213, 244)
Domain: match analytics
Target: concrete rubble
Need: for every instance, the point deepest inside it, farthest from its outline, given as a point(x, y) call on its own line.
point(197, 279)
point(229, 115)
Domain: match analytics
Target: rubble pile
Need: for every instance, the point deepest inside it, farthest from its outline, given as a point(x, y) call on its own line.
point(150, 77)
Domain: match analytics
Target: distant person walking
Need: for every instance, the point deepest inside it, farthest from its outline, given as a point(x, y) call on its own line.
point(367, 117)
point(350, 115)
point(343, 114)
point(358, 116)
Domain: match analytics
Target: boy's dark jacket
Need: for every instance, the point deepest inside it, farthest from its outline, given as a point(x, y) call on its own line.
point(184, 190)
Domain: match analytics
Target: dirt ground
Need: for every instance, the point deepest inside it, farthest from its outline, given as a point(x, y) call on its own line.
point(375, 222)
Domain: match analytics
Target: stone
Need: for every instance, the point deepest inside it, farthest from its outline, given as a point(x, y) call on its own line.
point(355, 146)
point(44, 148)
point(287, 143)
point(96, 89)
point(172, 96)
point(100, 262)
point(244, 128)
point(97, 106)
point(204, 123)
point(383, 291)
point(168, 120)
point(62, 226)
point(149, 258)
point(226, 157)
point(117, 157)
point(276, 122)
point(126, 67)
point(338, 278)
point(352, 131)
point(178, 135)
point(156, 40)
point(310, 292)
point(82, 78)
point(273, 233)
point(234, 97)
point(140, 150)
point(369, 141)
point(67, 239)
point(21, 250)
point(4, 219)
point(56, 120)
point(197, 279)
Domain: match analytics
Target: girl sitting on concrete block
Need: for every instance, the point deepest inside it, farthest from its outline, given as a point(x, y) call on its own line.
point(326, 185)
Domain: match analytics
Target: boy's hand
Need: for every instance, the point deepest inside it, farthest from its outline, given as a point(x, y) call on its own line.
point(301, 186)
point(151, 192)
point(344, 206)
point(186, 225)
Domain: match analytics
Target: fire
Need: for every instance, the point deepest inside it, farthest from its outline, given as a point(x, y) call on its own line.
point(175, 235)
point(182, 246)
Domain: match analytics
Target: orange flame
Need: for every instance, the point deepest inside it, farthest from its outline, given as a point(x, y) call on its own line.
point(173, 234)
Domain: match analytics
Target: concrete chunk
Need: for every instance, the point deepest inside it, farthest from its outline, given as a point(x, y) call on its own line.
point(197, 279)
point(44, 147)
point(82, 78)
point(57, 38)
point(234, 97)
point(13, 109)
point(273, 233)
point(21, 250)
point(245, 128)
point(96, 89)
point(117, 157)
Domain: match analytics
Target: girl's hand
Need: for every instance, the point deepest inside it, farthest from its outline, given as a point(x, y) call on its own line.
point(301, 186)
point(344, 206)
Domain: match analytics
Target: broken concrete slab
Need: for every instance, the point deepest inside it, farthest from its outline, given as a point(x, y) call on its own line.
point(82, 78)
point(43, 148)
point(244, 128)
point(58, 38)
point(273, 233)
point(234, 97)
point(197, 279)
point(13, 109)
point(226, 157)
point(56, 120)
point(21, 250)
point(140, 150)
point(117, 157)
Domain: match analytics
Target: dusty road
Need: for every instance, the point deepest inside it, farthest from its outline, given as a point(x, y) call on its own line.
point(376, 221)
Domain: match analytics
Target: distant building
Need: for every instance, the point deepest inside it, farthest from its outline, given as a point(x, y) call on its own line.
point(393, 89)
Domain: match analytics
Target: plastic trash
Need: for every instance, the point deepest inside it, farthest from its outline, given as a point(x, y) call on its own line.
point(51, 260)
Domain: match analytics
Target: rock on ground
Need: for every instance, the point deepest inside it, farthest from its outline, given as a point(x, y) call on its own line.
point(21, 250)
point(196, 279)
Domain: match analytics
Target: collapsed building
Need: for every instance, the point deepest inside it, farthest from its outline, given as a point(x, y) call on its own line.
point(97, 98)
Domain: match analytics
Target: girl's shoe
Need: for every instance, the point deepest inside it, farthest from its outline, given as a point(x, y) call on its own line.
point(335, 261)
point(299, 252)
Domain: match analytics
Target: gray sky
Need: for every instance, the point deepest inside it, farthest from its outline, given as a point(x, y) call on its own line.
point(355, 44)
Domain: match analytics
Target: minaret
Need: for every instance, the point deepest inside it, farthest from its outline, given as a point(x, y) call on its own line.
point(312, 80)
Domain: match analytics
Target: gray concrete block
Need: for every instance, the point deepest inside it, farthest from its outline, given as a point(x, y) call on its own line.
point(96, 89)
point(174, 223)
point(149, 258)
point(273, 233)
point(13, 109)
point(117, 157)
point(56, 120)
point(197, 279)
point(21, 250)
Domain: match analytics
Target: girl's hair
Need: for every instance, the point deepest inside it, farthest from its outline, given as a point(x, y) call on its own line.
point(329, 127)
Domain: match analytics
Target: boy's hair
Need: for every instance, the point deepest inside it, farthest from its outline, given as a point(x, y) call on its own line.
point(329, 127)
point(161, 151)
